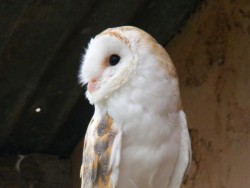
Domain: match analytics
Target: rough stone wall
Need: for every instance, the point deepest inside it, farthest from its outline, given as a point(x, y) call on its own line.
point(35, 171)
point(212, 56)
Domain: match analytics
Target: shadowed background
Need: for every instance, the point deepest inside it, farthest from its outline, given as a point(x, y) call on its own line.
point(42, 107)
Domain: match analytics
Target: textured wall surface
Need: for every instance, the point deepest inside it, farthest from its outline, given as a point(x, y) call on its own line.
point(212, 56)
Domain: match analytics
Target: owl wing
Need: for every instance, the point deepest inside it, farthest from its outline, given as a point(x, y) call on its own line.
point(101, 154)
point(185, 155)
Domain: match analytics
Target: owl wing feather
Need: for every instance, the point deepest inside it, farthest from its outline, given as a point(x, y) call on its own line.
point(101, 154)
point(185, 156)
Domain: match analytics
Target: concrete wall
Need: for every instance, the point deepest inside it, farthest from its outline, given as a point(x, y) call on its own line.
point(212, 56)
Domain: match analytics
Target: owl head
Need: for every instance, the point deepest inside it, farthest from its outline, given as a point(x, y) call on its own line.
point(117, 56)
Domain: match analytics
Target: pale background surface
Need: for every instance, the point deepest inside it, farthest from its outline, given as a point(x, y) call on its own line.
point(212, 56)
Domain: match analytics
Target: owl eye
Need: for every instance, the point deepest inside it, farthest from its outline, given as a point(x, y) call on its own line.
point(114, 59)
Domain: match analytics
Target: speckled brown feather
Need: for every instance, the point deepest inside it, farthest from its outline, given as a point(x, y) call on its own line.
point(118, 35)
point(95, 170)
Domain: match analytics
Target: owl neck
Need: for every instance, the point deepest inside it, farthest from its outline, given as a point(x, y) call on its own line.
point(161, 97)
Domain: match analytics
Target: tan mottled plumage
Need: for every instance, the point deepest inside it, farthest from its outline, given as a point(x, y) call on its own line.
point(95, 168)
point(115, 34)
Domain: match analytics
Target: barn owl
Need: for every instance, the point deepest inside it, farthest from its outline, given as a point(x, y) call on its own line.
point(138, 136)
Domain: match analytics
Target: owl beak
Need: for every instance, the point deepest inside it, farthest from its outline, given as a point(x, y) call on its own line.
point(92, 85)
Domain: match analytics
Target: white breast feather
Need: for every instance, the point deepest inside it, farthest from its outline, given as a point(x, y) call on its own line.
point(154, 132)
